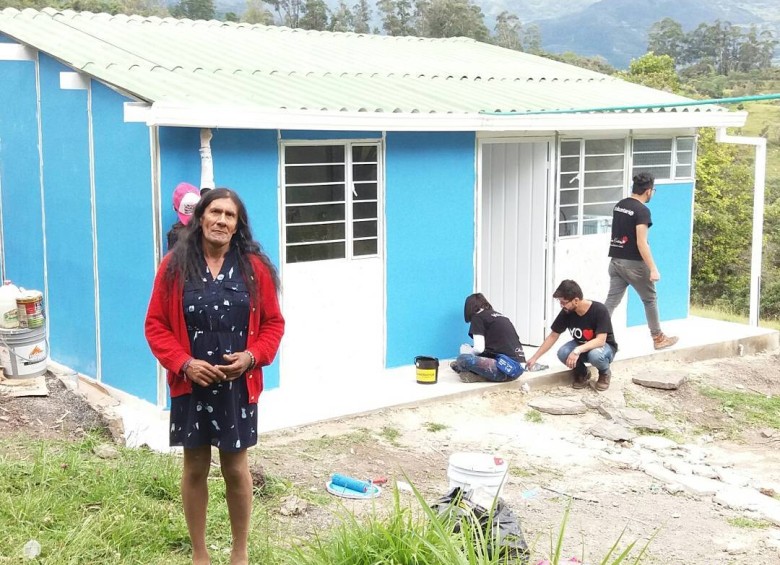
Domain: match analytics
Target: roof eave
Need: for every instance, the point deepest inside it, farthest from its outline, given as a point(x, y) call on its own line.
point(176, 115)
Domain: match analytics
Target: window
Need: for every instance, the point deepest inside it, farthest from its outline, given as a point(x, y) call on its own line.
point(590, 180)
point(331, 201)
point(670, 158)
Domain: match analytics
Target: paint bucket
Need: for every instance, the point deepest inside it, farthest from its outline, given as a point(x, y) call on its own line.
point(9, 309)
point(24, 353)
point(427, 369)
point(30, 309)
point(477, 470)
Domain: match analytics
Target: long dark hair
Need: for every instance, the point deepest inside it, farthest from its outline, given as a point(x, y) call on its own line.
point(187, 255)
point(475, 303)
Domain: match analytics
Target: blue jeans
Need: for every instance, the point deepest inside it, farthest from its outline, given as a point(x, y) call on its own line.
point(600, 357)
point(482, 366)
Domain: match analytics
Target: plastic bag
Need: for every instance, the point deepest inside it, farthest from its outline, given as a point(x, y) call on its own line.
point(499, 525)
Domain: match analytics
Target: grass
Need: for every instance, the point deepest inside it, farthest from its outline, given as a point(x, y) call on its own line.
point(434, 427)
point(390, 434)
point(749, 523)
point(127, 510)
point(747, 408)
point(533, 416)
point(707, 312)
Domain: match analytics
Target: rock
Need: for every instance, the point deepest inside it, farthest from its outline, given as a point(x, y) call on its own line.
point(592, 401)
point(640, 419)
point(736, 547)
point(655, 443)
point(705, 471)
point(625, 459)
point(612, 432)
point(293, 506)
point(258, 475)
point(558, 406)
point(698, 486)
point(105, 451)
point(673, 488)
point(678, 466)
point(731, 478)
point(665, 380)
point(766, 432)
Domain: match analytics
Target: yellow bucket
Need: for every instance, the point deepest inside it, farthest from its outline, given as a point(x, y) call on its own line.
point(427, 369)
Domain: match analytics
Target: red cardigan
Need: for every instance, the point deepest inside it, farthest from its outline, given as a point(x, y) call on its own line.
point(166, 330)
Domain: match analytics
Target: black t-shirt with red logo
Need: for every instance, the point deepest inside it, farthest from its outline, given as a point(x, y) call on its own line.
point(626, 215)
point(584, 328)
point(500, 335)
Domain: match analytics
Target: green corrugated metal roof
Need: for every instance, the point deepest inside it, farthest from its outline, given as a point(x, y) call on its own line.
point(199, 63)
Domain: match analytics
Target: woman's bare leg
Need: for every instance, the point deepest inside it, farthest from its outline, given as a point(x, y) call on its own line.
point(195, 499)
point(238, 487)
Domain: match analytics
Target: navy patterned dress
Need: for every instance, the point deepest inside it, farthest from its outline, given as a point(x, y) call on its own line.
point(217, 316)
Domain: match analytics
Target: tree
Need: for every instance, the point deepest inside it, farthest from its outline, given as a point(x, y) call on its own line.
point(451, 18)
point(288, 12)
point(720, 273)
point(655, 71)
point(507, 31)
point(257, 13)
point(315, 15)
point(666, 37)
point(194, 9)
point(532, 41)
point(397, 17)
point(361, 15)
point(342, 19)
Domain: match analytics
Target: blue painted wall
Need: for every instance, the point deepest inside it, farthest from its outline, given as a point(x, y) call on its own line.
point(71, 306)
point(246, 161)
point(20, 175)
point(123, 199)
point(430, 182)
point(314, 135)
point(670, 242)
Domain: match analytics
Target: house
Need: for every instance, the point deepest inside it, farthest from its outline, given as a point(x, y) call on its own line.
point(387, 177)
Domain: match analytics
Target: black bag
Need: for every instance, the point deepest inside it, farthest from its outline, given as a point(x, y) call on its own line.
point(501, 528)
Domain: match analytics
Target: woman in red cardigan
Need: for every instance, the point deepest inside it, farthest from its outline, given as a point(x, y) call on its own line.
point(213, 322)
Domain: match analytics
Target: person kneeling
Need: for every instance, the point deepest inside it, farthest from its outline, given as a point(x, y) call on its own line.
point(592, 341)
point(494, 336)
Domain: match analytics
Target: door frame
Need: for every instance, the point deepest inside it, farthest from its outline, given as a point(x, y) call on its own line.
point(550, 224)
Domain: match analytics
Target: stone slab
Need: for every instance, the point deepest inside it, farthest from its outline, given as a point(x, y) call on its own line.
point(611, 431)
point(558, 406)
point(664, 380)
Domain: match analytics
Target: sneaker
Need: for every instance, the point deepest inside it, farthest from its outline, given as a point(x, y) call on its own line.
point(604, 378)
point(454, 366)
point(662, 341)
point(469, 377)
point(580, 378)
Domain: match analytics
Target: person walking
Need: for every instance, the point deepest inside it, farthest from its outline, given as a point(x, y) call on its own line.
point(592, 340)
point(213, 322)
point(631, 259)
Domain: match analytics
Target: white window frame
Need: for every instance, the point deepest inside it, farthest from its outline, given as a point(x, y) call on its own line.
point(348, 201)
point(581, 219)
point(674, 155)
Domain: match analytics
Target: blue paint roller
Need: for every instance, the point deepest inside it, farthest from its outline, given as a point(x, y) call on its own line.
point(350, 483)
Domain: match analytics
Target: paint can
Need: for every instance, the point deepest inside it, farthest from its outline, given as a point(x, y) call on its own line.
point(427, 369)
point(30, 309)
point(24, 353)
point(477, 470)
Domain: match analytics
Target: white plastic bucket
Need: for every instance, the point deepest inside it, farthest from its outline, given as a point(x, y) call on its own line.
point(24, 353)
point(473, 470)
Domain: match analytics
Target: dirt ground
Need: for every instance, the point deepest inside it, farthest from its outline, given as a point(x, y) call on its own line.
point(553, 461)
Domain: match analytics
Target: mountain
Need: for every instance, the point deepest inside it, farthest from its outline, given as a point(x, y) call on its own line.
point(617, 29)
point(614, 29)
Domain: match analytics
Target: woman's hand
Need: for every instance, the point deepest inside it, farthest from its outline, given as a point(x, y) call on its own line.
point(239, 363)
point(203, 373)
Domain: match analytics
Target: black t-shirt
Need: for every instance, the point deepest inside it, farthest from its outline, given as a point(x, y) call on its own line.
point(584, 328)
point(626, 215)
point(173, 234)
point(500, 335)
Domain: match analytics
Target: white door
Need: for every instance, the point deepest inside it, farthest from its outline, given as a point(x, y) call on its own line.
point(513, 225)
point(333, 271)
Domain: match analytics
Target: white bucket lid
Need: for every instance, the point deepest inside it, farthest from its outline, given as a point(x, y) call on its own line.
point(479, 462)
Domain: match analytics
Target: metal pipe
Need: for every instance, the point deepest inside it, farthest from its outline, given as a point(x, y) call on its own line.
point(758, 214)
point(709, 101)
